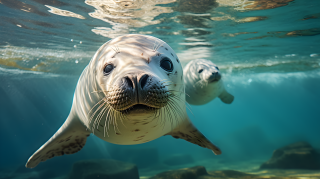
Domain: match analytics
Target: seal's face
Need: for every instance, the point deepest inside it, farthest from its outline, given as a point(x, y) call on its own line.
point(204, 71)
point(141, 79)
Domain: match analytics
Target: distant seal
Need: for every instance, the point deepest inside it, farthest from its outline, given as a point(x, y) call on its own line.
point(131, 92)
point(203, 83)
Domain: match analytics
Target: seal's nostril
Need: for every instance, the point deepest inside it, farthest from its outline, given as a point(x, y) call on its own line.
point(129, 82)
point(143, 80)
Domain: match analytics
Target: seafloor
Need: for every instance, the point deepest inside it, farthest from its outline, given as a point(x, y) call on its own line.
point(216, 169)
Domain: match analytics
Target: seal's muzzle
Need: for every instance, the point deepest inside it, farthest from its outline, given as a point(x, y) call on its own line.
point(134, 92)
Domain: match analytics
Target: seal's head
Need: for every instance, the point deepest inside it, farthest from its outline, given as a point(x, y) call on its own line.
point(203, 83)
point(203, 71)
point(140, 77)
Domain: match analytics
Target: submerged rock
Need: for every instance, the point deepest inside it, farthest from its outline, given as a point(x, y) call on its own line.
point(103, 168)
point(298, 155)
point(227, 174)
point(179, 159)
point(200, 172)
point(186, 173)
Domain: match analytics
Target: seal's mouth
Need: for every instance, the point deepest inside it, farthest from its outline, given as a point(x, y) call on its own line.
point(138, 108)
point(213, 80)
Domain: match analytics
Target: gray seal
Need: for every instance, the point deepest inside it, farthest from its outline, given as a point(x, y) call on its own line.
point(203, 83)
point(131, 92)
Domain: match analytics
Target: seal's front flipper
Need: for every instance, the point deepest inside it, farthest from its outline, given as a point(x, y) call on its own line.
point(190, 133)
point(226, 97)
point(69, 139)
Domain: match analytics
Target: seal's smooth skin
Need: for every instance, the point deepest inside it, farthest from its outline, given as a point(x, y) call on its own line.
point(203, 83)
point(131, 92)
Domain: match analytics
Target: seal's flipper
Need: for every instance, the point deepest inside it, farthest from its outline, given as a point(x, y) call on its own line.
point(190, 133)
point(226, 97)
point(69, 139)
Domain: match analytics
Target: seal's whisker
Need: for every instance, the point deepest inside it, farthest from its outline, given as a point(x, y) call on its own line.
point(176, 107)
point(122, 116)
point(96, 120)
point(161, 119)
point(176, 97)
point(156, 114)
point(173, 114)
point(101, 116)
point(181, 100)
point(95, 106)
point(99, 91)
point(162, 112)
point(164, 80)
point(179, 92)
point(171, 83)
point(172, 100)
point(162, 122)
point(171, 111)
point(115, 124)
point(111, 118)
point(107, 119)
point(94, 113)
point(91, 117)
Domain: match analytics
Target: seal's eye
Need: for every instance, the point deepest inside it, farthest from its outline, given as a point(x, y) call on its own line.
point(108, 69)
point(217, 68)
point(200, 70)
point(166, 64)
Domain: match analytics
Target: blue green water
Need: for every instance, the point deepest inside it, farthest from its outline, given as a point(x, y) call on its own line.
point(269, 57)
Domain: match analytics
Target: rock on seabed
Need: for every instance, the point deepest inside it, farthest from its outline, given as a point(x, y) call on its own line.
point(199, 172)
point(299, 155)
point(186, 173)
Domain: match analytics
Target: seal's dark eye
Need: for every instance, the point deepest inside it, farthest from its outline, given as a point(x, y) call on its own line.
point(108, 69)
point(200, 70)
point(217, 68)
point(166, 64)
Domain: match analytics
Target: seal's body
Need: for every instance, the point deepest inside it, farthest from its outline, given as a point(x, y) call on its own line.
point(203, 83)
point(131, 92)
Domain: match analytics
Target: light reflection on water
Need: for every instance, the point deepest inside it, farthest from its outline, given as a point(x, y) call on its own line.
point(236, 34)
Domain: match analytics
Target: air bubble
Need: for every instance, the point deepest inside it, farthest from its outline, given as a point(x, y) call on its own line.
point(77, 61)
point(71, 40)
point(75, 46)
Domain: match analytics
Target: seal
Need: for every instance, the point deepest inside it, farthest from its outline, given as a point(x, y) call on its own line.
point(203, 83)
point(131, 92)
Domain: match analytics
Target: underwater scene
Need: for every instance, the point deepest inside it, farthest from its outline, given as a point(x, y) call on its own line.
point(159, 89)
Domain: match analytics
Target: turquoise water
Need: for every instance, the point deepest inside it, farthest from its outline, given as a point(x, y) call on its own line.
point(268, 53)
